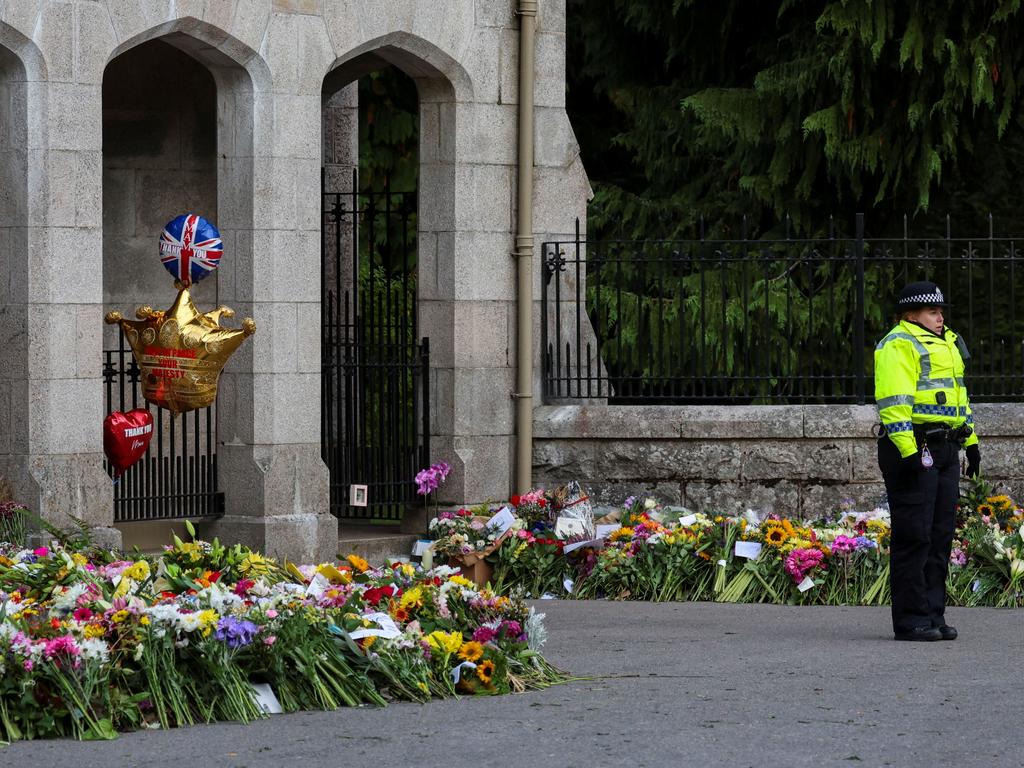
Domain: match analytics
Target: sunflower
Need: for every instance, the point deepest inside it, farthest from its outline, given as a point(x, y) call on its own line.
point(984, 509)
point(398, 614)
point(1001, 500)
point(775, 536)
point(358, 563)
point(621, 533)
point(485, 671)
point(471, 651)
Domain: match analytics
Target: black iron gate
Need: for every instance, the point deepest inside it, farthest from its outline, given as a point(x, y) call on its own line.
point(376, 420)
point(177, 477)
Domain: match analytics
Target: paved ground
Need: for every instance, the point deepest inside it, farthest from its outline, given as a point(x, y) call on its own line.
point(670, 685)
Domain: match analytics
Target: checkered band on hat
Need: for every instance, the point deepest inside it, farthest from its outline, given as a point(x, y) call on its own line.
point(924, 298)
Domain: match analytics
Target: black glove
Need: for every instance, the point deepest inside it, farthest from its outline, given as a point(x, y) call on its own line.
point(973, 460)
point(910, 464)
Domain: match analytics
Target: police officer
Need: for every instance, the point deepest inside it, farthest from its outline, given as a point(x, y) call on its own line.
point(926, 419)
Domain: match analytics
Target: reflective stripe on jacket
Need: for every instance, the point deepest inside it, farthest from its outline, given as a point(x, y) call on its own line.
point(912, 367)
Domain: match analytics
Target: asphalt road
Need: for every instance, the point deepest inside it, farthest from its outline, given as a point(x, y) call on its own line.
point(667, 685)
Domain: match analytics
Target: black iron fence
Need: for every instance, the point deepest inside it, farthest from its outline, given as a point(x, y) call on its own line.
point(375, 368)
point(766, 321)
point(177, 476)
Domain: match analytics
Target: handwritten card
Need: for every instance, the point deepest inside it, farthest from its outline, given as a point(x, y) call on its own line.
point(317, 586)
point(687, 519)
point(502, 520)
point(806, 584)
point(748, 549)
point(566, 527)
point(604, 531)
point(568, 584)
point(388, 629)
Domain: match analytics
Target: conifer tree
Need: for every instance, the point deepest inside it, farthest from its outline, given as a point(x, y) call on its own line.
point(798, 107)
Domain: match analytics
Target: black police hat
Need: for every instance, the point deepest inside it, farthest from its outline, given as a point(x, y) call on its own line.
point(921, 294)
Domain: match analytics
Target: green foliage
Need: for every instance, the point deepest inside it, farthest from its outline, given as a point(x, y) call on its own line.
point(795, 107)
point(389, 131)
point(777, 321)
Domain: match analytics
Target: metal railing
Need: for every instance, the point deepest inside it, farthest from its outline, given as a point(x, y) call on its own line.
point(177, 476)
point(375, 399)
point(766, 321)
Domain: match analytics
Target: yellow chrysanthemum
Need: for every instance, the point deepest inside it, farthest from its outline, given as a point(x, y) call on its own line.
point(461, 580)
point(120, 616)
point(138, 571)
point(358, 563)
point(77, 558)
point(412, 598)
point(471, 651)
point(207, 621)
point(445, 642)
point(93, 630)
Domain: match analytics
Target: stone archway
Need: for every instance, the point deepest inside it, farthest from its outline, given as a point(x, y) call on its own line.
point(435, 220)
point(466, 298)
point(178, 136)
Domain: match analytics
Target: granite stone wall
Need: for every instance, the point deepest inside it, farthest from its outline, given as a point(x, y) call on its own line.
point(792, 460)
point(271, 63)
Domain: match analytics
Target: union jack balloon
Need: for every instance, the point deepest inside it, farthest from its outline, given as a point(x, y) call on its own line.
point(190, 248)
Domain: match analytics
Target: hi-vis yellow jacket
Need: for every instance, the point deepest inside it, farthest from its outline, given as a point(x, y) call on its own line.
point(919, 379)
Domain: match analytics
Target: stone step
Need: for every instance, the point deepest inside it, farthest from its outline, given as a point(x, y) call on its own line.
point(375, 544)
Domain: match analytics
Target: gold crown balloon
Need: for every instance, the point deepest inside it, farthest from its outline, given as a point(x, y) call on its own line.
point(181, 352)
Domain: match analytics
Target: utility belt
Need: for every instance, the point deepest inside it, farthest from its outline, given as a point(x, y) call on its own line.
point(941, 433)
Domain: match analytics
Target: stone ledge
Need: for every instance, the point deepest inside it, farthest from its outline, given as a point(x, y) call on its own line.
point(668, 421)
point(726, 422)
point(375, 547)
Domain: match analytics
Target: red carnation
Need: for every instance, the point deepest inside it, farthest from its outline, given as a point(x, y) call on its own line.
point(374, 595)
point(515, 500)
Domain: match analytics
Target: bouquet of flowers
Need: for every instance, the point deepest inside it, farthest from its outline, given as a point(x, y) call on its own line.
point(462, 533)
point(92, 645)
point(530, 565)
point(534, 509)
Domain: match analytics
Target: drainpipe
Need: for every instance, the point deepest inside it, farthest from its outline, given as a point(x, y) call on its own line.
point(523, 252)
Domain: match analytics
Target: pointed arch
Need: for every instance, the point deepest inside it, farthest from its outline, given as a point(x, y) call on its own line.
point(420, 59)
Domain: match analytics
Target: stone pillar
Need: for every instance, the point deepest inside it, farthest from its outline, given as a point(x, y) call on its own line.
point(52, 310)
point(271, 472)
point(340, 162)
point(466, 278)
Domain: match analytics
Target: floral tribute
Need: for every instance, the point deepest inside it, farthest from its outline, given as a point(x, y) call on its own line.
point(92, 644)
point(648, 551)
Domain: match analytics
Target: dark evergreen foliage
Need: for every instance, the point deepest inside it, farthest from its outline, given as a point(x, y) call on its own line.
point(799, 107)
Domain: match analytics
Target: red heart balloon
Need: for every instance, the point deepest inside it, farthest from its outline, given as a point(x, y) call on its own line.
point(126, 437)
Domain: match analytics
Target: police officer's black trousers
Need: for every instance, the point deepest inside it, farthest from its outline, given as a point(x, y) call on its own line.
point(922, 503)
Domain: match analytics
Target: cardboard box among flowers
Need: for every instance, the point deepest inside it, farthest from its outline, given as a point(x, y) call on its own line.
point(92, 643)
